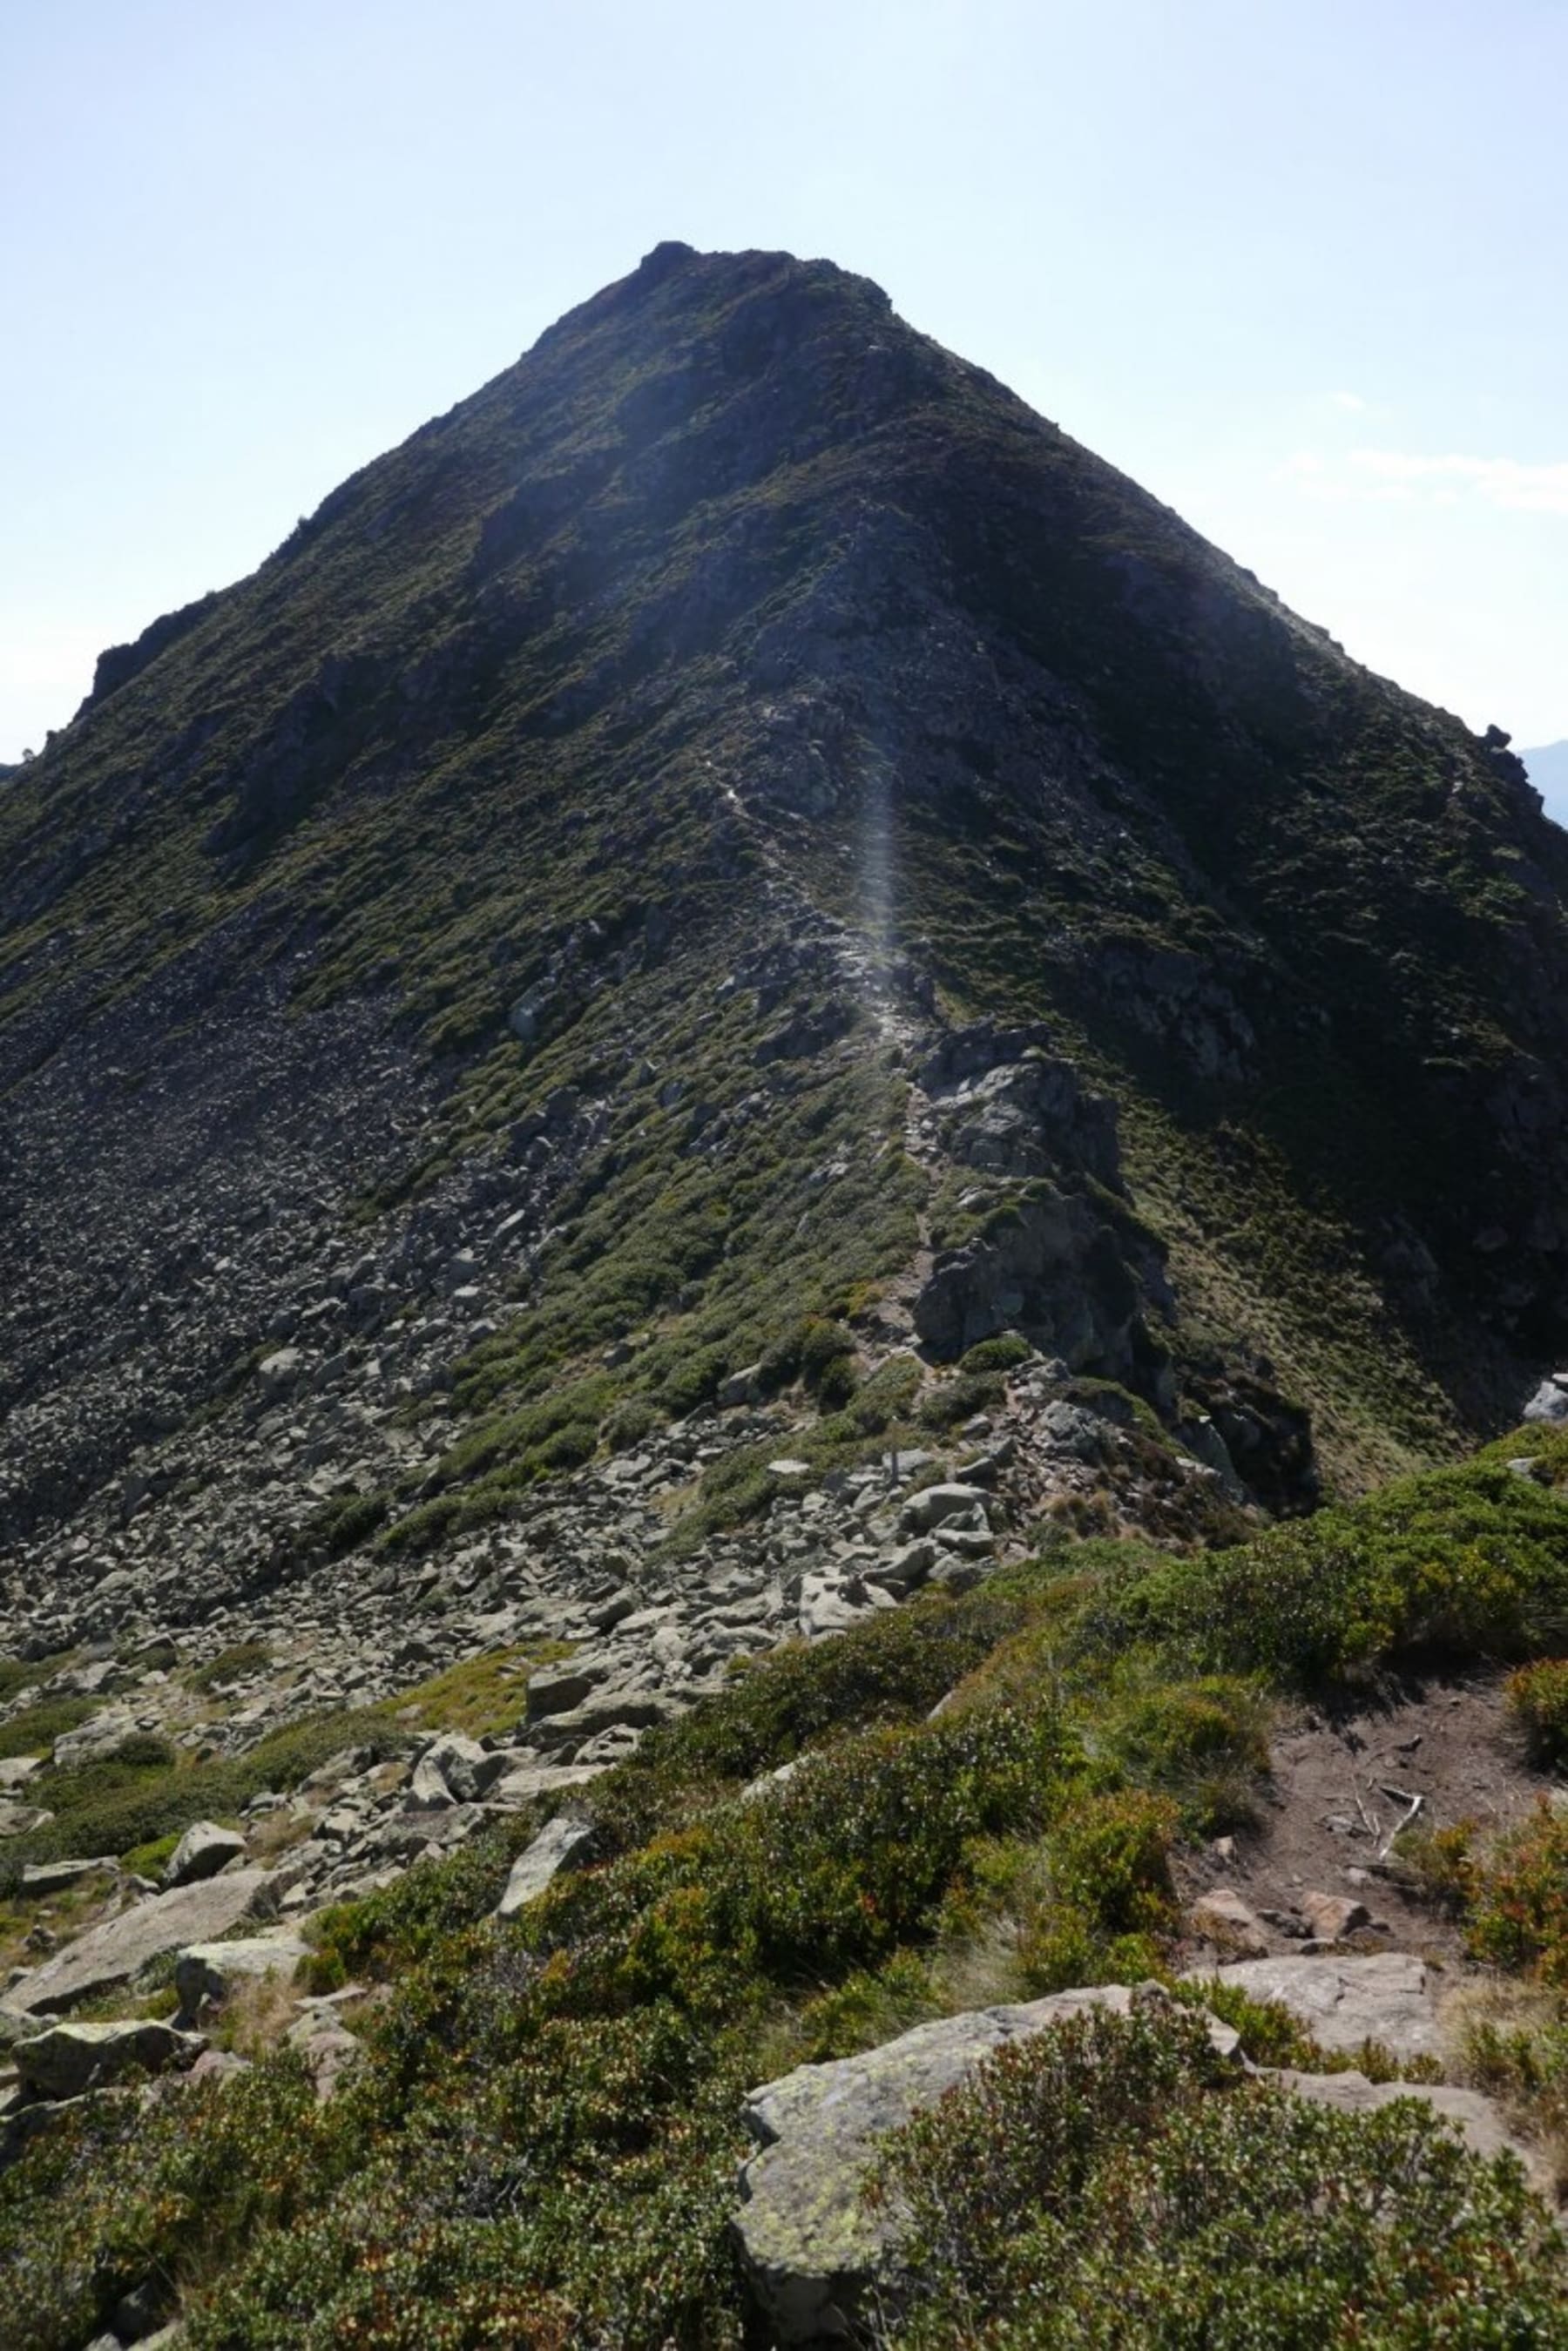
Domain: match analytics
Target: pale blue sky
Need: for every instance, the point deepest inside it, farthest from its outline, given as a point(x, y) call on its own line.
point(1297, 267)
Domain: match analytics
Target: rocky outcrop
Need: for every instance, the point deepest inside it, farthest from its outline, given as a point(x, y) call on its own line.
point(1046, 1265)
point(812, 2248)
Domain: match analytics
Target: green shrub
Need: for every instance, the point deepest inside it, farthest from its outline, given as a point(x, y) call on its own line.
point(1538, 1696)
point(1519, 1899)
point(1003, 1355)
point(1464, 1561)
point(627, 1423)
point(35, 1730)
point(892, 1669)
point(955, 1400)
point(1438, 1865)
point(1521, 2058)
point(17, 1674)
point(827, 1350)
point(824, 1875)
point(1204, 1742)
point(1109, 2184)
point(118, 2199)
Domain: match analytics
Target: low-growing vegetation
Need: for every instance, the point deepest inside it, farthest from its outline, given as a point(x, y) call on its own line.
point(1112, 2183)
point(980, 1798)
point(1538, 1695)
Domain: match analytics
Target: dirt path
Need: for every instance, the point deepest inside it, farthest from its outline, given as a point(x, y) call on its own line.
point(1343, 1780)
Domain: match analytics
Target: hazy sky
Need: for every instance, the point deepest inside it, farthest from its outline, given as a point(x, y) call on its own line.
point(1296, 264)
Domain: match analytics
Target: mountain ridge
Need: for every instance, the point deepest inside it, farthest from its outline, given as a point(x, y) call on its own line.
point(729, 1128)
point(735, 590)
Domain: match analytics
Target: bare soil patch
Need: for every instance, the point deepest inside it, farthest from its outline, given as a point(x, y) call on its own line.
point(1343, 1778)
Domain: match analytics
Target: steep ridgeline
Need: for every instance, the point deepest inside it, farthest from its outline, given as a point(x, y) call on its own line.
point(732, 868)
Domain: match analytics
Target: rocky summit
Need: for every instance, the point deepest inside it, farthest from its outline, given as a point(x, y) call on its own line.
point(761, 1162)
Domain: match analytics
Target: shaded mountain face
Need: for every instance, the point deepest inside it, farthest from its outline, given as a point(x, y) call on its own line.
point(741, 821)
point(1548, 771)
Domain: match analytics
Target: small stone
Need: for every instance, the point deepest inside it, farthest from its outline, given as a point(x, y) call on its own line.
point(1333, 1915)
point(1223, 1918)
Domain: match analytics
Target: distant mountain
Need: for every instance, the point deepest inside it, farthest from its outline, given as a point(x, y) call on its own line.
point(1548, 769)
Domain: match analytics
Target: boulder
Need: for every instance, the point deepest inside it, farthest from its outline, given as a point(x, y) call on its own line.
point(89, 1741)
point(1550, 1402)
point(524, 1783)
point(21, 1820)
point(42, 1877)
point(202, 1852)
point(68, 2060)
point(1479, 2120)
point(329, 2049)
point(113, 1954)
point(206, 1974)
point(1223, 1918)
point(562, 1843)
point(808, 2245)
point(1330, 1915)
point(1344, 2003)
point(935, 1504)
point(557, 1689)
point(463, 1769)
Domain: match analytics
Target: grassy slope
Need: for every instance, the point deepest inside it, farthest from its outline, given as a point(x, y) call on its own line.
point(541, 2146)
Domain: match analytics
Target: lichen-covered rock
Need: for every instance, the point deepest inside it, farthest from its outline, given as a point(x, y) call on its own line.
point(808, 2245)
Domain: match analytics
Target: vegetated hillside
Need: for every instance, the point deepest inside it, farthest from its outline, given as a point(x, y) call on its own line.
point(741, 989)
point(735, 690)
point(535, 2123)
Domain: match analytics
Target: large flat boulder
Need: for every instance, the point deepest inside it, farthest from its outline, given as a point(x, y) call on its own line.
point(1344, 2003)
point(68, 2060)
point(808, 2245)
point(113, 1954)
point(565, 1842)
